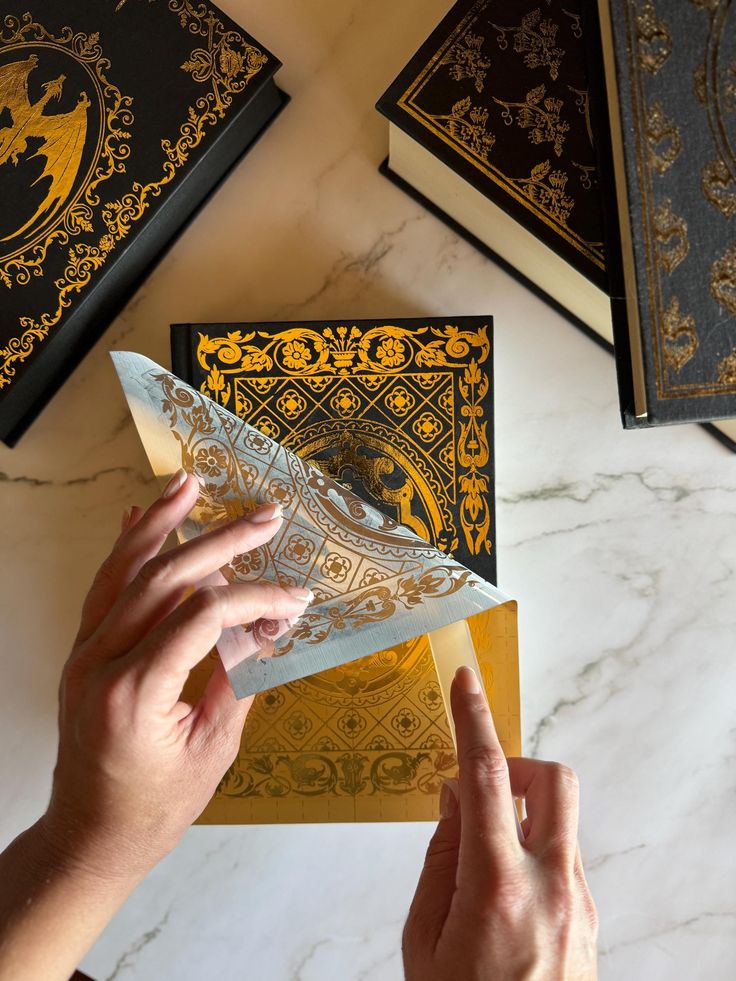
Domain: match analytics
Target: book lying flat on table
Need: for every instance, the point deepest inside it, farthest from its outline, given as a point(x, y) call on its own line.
point(489, 122)
point(670, 167)
point(498, 125)
point(400, 413)
point(116, 121)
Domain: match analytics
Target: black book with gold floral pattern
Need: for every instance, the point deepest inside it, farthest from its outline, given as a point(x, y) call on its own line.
point(401, 412)
point(117, 118)
point(489, 122)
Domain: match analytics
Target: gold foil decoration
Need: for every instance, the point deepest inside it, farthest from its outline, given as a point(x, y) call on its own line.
point(368, 739)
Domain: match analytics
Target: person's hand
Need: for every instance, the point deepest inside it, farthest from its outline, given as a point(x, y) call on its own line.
point(489, 907)
point(137, 765)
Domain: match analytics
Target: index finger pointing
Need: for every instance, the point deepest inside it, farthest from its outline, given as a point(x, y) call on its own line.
point(489, 835)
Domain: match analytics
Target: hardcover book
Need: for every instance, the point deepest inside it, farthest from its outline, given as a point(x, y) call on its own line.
point(489, 123)
point(670, 74)
point(401, 414)
point(117, 118)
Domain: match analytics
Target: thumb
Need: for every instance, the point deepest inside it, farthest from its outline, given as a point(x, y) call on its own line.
point(220, 711)
point(436, 887)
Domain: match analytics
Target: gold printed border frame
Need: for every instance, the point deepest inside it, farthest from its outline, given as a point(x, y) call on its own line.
point(407, 102)
point(225, 63)
point(386, 349)
point(660, 308)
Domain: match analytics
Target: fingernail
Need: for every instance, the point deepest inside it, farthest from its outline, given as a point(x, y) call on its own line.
point(448, 799)
point(467, 680)
point(300, 593)
point(125, 520)
point(264, 513)
point(174, 484)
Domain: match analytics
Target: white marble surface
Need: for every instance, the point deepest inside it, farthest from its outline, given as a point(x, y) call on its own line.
point(621, 548)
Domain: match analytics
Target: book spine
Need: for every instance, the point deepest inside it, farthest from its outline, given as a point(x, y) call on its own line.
point(183, 339)
point(601, 126)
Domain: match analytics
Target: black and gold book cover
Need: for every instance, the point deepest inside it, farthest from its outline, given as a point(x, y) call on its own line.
point(499, 93)
point(117, 118)
point(671, 71)
point(401, 412)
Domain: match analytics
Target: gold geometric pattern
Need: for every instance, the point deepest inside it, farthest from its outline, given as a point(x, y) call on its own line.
point(368, 740)
point(409, 396)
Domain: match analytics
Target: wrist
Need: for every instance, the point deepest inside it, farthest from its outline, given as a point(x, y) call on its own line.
point(97, 862)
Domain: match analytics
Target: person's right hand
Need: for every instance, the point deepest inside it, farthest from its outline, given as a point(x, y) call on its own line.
point(489, 907)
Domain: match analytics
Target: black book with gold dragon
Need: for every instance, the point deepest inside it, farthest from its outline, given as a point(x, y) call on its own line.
point(401, 413)
point(117, 118)
point(489, 126)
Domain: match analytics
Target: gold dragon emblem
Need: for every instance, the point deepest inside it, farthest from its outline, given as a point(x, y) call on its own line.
point(34, 132)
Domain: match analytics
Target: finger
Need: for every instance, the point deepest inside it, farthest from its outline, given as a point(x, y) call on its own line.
point(138, 543)
point(437, 882)
point(161, 582)
point(130, 517)
point(219, 714)
point(552, 797)
point(165, 658)
point(489, 835)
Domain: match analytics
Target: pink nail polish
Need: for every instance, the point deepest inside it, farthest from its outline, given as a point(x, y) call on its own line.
point(264, 513)
point(300, 593)
point(174, 484)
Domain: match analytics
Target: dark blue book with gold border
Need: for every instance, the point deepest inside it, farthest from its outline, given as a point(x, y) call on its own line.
point(666, 135)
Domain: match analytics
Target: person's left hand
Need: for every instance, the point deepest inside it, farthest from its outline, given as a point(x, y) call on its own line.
point(137, 765)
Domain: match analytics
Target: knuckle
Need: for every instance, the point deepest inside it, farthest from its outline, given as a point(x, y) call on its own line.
point(506, 898)
point(108, 572)
point(114, 697)
point(558, 851)
point(487, 762)
point(157, 571)
point(591, 913)
point(206, 601)
point(565, 778)
point(562, 899)
point(441, 854)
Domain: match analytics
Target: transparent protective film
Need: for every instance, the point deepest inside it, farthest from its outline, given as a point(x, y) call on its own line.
point(375, 583)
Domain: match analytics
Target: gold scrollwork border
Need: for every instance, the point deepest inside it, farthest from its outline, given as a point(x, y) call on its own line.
point(225, 63)
point(383, 349)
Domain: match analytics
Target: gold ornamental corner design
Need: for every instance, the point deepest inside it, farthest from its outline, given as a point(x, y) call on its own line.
point(433, 383)
point(77, 218)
